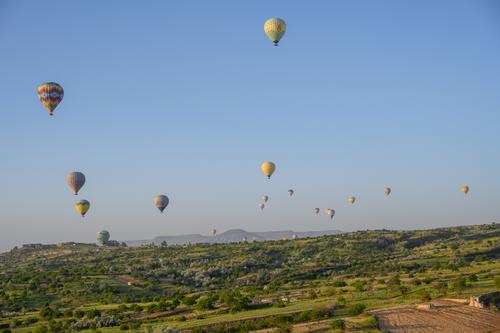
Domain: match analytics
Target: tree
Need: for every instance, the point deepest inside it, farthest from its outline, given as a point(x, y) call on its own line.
point(394, 282)
point(442, 288)
point(234, 300)
point(459, 284)
point(205, 303)
point(404, 290)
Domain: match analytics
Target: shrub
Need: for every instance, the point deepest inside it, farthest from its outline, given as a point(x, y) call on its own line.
point(424, 296)
point(497, 282)
point(473, 278)
point(167, 329)
point(357, 309)
point(339, 283)
point(338, 324)
point(371, 322)
point(93, 313)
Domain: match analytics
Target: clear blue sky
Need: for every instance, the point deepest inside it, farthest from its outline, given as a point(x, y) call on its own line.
point(189, 98)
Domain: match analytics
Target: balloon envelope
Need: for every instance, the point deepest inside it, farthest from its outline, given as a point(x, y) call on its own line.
point(316, 210)
point(330, 212)
point(268, 168)
point(75, 181)
point(50, 94)
point(465, 189)
point(290, 192)
point(351, 199)
point(102, 237)
point(387, 190)
point(161, 202)
point(275, 29)
point(264, 198)
point(82, 207)
point(261, 206)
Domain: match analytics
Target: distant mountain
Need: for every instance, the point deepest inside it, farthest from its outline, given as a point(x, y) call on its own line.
point(232, 236)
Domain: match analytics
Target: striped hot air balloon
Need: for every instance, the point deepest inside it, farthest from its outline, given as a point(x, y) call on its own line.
point(50, 94)
point(75, 181)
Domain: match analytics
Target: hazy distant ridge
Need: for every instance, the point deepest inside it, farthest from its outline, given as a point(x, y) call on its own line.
point(232, 236)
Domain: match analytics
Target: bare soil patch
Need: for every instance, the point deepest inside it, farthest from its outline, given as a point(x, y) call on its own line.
point(443, 316)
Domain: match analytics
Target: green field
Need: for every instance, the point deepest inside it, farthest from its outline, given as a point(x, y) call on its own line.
point(243, 286)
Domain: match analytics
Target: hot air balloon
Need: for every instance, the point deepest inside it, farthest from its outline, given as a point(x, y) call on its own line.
point(161, 202)
point(268, 168)
point(264, 198)
point(330, 212)
point(316, 210)
point(261, 206)
point(82, 207)
point(275, 29)
point(465, 189)
point(75, 181)
point(295, 237)
point(214, 232)
point(50, 94)
point(290, 193)
point(102, 237)
point(351, 199)
point(387, 190)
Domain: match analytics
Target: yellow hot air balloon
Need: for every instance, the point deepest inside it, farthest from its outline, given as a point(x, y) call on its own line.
point(465, 189)
point(268, 168)
point(275, 29)
point(264, 198)
point(82, 207)
point(351, 199)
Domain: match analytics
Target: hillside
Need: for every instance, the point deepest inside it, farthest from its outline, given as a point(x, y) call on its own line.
point(231, 236)
point(216, 286)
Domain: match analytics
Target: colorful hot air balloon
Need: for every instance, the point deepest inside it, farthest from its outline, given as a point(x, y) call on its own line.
point(161, 202)
point(316, 210)
point(82, 207)
point(351, 199)
point(264, 198)
point(330, 212)
point(290, 192)
point(275, 29)
point(50, 94)
point(268, 168)
point(261, 206)
point(465, 189)
point(75, 181)
point(102, 237)
point(387, 190)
